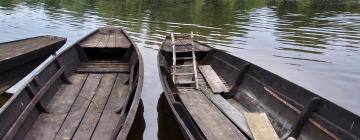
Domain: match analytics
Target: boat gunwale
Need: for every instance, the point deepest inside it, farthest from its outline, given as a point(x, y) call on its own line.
point(124, 131)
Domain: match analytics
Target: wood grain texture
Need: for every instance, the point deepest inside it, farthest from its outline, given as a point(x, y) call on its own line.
point(121, 41)
point(111, 42)
point(103, 42)
point(96, 108)
point(48, 124)
point(230, 111)
point(79, 107)
point(214, 81)
point(260, 126)
point(210, 119)
point(16, 48)
point(109, 118)
point(92, 41)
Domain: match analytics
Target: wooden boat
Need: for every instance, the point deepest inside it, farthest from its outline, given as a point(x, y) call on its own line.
point(19, 57)
point(225, 97)
point(89, 90)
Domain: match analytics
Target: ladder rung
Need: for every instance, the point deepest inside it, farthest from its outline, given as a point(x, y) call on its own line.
point(187, 44)
point(183, 51)
point(184, 58)
point(182, 66)
point(184, 73)
point(185, 82)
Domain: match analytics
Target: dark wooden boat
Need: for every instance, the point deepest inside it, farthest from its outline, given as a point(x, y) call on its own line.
point(19, 57)
point(231, 89)
point(89, 90)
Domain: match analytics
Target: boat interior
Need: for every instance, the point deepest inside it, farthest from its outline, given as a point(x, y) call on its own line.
point(84, 92)
point(235, 99)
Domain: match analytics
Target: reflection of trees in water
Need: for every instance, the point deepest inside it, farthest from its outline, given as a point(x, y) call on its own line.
point(302, 24)
point(156, 16)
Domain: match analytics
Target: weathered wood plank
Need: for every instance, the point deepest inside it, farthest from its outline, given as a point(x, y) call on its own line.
point(109, 118)
point(48, 124)
point(230, 111)
point(79, 107)
point(216, 85)
point(121, 41)
point(92, 41)
point(260, 126)
point(103, 42)
point(20, 47)
point(210, 120)
point(111, 42)
point(95, 109)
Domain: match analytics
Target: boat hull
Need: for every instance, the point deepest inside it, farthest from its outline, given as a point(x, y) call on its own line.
point(75, 86)
point(291, 109)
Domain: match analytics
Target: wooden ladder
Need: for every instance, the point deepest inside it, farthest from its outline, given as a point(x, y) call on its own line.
point(193, 65)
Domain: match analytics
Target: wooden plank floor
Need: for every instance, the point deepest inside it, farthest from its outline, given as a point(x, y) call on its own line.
point(84, 109)
point(106, 40)
point(213, 123)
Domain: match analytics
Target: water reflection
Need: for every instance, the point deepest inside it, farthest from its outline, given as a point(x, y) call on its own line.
point(138, 127)
point(168, 128)
point(310, 42)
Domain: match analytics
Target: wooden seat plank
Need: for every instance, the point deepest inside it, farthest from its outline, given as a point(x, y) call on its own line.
point(91, 67)
point(260, 126)
point(13, 49)
point(103, 42)
point(214, 81)
point(121, 41)
point(111, 42)
point(95, 109)
point(230, 111)
point(48, 124)
point(92, 41)
point(210, 119)
point(79, 107)
point(109, 118)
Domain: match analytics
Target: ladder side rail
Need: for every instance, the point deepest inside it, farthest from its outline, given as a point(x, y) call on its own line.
point(194, 61)
point(174, 56)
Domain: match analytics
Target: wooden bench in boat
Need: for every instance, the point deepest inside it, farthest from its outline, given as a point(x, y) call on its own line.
point(107, 39)
point(214, 81)
point(103, 67)
point(260, 126)
point(213, 123)
point(244, 120)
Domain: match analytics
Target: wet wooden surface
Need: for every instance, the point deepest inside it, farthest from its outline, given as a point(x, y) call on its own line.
point(83, 109)
point(103, 67)
point(230, 111)
point(185, 46)
point(214, 81)
point(106, 39)
point(260, 126)
point(212, 122)
point(16, 48)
